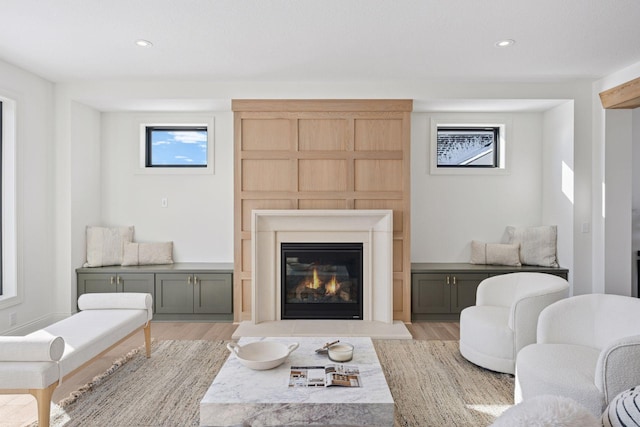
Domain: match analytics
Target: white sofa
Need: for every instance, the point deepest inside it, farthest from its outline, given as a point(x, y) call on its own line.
point(505, 317)
point(588, 349)
point(37, 362)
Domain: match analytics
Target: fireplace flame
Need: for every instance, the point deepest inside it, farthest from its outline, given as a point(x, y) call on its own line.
point(315, 284)
point(331, 288)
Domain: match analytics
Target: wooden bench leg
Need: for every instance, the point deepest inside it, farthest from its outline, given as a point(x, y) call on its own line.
point(147, 339)
point(43, 397)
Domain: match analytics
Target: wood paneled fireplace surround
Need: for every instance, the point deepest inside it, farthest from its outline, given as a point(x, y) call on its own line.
point(298, 159)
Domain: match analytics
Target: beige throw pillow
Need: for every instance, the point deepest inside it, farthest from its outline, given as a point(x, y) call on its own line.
point(495, 253)
point(105, 245)
point(537, 244)
point(148, 253)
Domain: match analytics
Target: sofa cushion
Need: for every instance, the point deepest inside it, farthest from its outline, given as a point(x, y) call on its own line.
point(537, 244)
point(147, 253)
point(486, 339)
point(495, 253)
point(105, 245)
point(559, 369)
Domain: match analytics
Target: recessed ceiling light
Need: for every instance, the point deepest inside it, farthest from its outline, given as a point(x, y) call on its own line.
point(505, 43)
point(144, 43)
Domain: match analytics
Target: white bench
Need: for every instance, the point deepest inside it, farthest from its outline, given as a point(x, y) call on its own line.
point(36, 363)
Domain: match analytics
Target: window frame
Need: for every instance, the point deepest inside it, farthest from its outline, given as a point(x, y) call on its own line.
point(149, 129)
point(12, 293)
point(480, 121)
point(174, 120)
point(1, 201)
point(495, 130)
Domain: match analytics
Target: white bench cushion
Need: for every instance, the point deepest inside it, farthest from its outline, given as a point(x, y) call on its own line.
point(86, 334)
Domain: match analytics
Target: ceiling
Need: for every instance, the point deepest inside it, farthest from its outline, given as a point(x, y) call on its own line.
point(320, 40)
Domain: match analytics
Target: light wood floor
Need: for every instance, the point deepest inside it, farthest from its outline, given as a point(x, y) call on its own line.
point(20, 410)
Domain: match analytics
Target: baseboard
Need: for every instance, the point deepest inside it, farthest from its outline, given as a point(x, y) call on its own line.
point(36, 324)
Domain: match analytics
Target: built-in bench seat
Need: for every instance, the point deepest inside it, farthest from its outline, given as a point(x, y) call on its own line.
point(36, 363)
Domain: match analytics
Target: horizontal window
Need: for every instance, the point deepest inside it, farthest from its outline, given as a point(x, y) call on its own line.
point(469, 146)
point(176, 146)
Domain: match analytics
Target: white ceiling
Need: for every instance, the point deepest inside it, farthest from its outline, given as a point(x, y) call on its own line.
point(320, 40)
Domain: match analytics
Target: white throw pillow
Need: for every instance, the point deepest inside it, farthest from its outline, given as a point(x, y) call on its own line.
point(547, 410)
point(105, 245)
point(623, 410)
point(495, 253)
point(537, 244)
point(148, 253)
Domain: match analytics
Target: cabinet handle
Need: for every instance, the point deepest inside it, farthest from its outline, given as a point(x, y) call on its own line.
point(188, 279)
point(118, 280)
point(111, 280)
point(195, 279)
point(447, 280)
point(454, 280)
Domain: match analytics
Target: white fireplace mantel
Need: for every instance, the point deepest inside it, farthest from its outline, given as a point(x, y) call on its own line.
point(372, 228)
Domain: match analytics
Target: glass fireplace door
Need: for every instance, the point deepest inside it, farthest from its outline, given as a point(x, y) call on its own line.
point(321, 280)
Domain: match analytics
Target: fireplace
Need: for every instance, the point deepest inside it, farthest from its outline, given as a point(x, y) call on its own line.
point(272, 228)
point(321, 280)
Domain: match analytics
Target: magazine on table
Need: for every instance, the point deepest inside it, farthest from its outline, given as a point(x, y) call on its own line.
point(335, 374)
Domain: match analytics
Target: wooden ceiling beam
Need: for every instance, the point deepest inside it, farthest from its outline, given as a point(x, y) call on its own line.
point(624, 96)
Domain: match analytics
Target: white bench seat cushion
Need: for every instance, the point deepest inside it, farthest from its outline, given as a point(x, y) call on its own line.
point(86, 334)
point(559, 369)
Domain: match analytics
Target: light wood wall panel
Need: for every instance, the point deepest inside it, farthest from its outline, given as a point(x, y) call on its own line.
point(322, 175)
point(322, 135)
point(322, 154)
point(260, 134)
point(378, 135)
point(322, 204)
point(379, 175)
point(266, 175)
point(247, 205)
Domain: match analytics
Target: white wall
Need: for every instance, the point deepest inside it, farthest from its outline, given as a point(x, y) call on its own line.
point(635, 188)
point(34, 176)
point(558, 178)
point(199, 216)
point(85, 184)
point(618, 201)
point(81, 180)
point(612, 254)
point(448, 211)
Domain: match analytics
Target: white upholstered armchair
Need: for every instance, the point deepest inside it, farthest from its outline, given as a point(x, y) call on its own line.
point(505, 317)
point(588, 349)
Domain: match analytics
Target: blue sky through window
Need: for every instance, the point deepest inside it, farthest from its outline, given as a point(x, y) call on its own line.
point(178, 147)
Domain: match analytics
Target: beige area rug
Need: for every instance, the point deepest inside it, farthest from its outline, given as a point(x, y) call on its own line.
point(431, 384)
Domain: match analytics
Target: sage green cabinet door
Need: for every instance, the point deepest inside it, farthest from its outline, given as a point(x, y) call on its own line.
point(136, 282)
point(431, 293)
point(174, 293)
point(463, 290)
point(96, 283)
point(89, 283)
point(213, 293)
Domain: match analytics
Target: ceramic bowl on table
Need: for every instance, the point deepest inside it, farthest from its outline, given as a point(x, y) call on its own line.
point(341, 352)
point(262, 355)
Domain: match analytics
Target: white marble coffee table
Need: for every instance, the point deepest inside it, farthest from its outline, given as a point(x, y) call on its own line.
point(240, 396)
